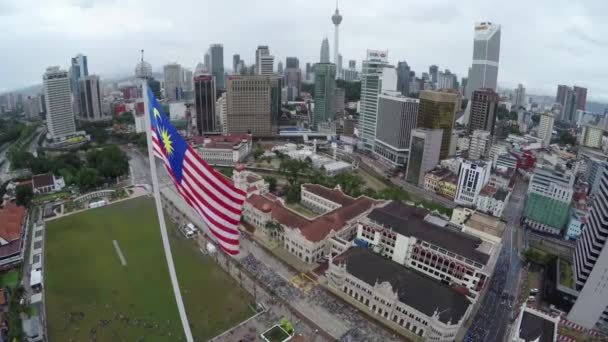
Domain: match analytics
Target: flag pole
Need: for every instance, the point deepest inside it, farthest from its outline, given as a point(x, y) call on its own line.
point(161, 218)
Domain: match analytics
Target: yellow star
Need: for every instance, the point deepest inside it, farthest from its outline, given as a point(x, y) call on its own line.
point(156, 114)
point(166, 138)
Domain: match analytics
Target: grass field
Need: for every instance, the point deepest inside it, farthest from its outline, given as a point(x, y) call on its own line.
point(10, 279)
point(90, 294)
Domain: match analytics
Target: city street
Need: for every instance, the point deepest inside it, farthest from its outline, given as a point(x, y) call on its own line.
point(494, 317)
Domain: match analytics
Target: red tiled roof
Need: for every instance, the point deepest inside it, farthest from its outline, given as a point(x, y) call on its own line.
point(252, 178)
point(221, 141)
point(333, 195)
point(278, 212)
point(318, 229)
point(12, 248)
point(488, 190)
point(11, 217)
point(43, 180)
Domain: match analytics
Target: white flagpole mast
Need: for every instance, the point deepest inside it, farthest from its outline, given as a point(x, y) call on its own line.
point(161, 219)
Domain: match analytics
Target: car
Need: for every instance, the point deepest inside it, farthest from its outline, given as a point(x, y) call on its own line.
point(531, 299)
point(534, 291)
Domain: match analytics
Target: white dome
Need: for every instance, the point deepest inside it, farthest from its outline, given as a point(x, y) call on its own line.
point(143, 70)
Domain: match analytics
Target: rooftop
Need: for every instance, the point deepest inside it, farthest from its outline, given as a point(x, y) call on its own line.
point(278, 212)
point(12, 217)
point(486, 223)
point(412, 287)
point(409, 221)
point(440, 173)
point(220, 141)
point(536, 328)
point(334, 195)
point(42, 180)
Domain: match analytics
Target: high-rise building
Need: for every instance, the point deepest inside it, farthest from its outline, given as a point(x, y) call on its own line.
point(352, 64)
point(221, 106)
point(397, 117)
point(436, 111)
point(339, 67)
point(403, 78)
point(371, 87)
point(480, 145)
point(264, 62)
point(59, 112)
point(545, 127)
point(591, 262)
point(569, 108)
point(425, 147)
point(340, 100)
point(581, 97)
point(591, 136)
point(204, 104)
point(293, 78)
point(90, 98)
point(486, 52)
point(188, 85)
point(173, 81)
point(79, 69)
point(484, 105)
point(254, 104)
point(308, 71)
point(337, 19)
point(473, 176)
point(292, 62)
point(445, 80)
point(325, 91)
point(324, 51)
point(216, 68)
point(433, 72)
point(236, 58)
point(207, 62)
point(562, 89)
point(519, 96)
point(280, 68)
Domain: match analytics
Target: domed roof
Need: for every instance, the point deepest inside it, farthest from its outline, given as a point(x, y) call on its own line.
point(239, 167)
point(143, 70)
point(266, 208)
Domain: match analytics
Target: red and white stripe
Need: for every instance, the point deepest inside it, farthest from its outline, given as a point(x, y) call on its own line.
point(207, 192)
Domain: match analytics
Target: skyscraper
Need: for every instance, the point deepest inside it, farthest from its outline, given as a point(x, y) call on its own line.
point(325, 91)
point(79, 69)
point(90, 97)
point(403, 78)
point(336, 19)
point(436, 111)
point(371, 86)
point(216, 60)
point(591, 262)
point(236, 58)
point(425, 147)
point(397, 117)
point(59, 112)
point(519, 96)
point(254, 104)
point(204, 104)
point(339, 67)
point(486, 52)
point(292, 62)
point(293, 75)
point(173, 81)
point(324, 51)
point(569, 107)
point(433, 70)
point(264, 62)
point(280, 68)
point(561, 93)
point(484, 105)
point(207, 62)
point(308, 71)
point(187, 82)
point(545, 127)
point(581, 97)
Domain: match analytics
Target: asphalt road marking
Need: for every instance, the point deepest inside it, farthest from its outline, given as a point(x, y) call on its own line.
point(123, 261)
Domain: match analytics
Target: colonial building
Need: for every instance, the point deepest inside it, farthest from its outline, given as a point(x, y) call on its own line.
point(226, 149)
point(441, 181)
point(248, 181)
point(400, 233)
point(45, 183)
point(12, 231)
point(322, 200)
point(408, 299)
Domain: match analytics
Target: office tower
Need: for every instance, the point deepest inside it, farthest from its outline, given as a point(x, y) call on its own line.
point(324, 51)
point(241, 68)
point(425, 147)
point(325, 91)
point(486, 52)
point(371, 86)
point(90, 98)
point(155, 87)
point(264, 62)
point(519, 96)
point(254, 104)
point(463, 85)
point(308, 71)
point(173, 81)
point(484, 105)
point(352, 64)
point(340, 100)
point(591, 136)
point(236, 58)
point(569, 108)
point(590, 264)
point(280, 68)
point(200, 69)
point(445, 80)
point(433, 70)
point(545, 127)
point(473, 176)
point(207, 62)
point(336, 19)
point(339, 67)
point(480, 145)
point(79, 69)
point(397, 117)
point(222, 109)
point(59, 112)
point(204, 104)
point(403, 78)
point(581, 97)
point(216, 60)
point(188, 85)
point(292, 62)
point(562, 89)
point(436, 111)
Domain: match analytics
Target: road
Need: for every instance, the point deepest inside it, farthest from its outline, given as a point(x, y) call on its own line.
point(494, 317)
point(139, 166)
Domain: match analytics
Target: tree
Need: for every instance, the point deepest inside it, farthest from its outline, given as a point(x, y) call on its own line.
point(111, 162)
point(273, 228)
point(99, 134)
point(292, 195)
point(125, 118)
point(257, 153)
point(272, 182)
point(565, 138)
point(87, 178)
point(352, 90)
point(292, 168)
point(24, 195)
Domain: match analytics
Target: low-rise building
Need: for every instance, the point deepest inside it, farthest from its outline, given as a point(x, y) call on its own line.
point(46, 183)
point(12, 233)
point(480, 145)
point(448, 187)
point(433, 178)
point(414, 302)
point(492, 200)
point(502, 178)
point(225, 149)
point(250, 182)
point(534, 326)
point(322, 200)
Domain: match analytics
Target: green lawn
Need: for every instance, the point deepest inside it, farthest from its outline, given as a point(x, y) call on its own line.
point(10, 279)
point(90, 294)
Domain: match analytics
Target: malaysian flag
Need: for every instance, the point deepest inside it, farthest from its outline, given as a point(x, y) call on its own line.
point(205, 190)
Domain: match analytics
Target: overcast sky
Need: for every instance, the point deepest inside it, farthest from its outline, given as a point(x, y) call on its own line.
point(544, 42)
